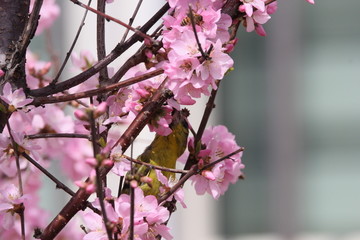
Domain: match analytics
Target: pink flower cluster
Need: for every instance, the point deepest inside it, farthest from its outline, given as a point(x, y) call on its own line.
point(257, 13)
point(193, 66)
point(215, 180)
point(149, 219)
point(255, 19)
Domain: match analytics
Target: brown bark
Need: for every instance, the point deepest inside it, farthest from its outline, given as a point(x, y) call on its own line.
point(13, 18)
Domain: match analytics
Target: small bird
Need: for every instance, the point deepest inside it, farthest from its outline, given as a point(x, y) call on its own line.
point(163, 151)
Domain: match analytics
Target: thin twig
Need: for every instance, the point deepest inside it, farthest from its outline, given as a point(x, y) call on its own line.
point(208, 109)
point(210, 105)
point(30, 28)
point(145, 115)
point(68, 54)
point(21, 191)
point(131, 20)
point(194, 170)
point(132, 199)
point(154, 166)
point(117, 51)
point(108, 17)
point(207, 166)
point(58, 135)
point(100, 40)
point(192, 20)
point(99, 188)
point(269, 2)
point(69, 97)
point(57, 182)
point(121, 180)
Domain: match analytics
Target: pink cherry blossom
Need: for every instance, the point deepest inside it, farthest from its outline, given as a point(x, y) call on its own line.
point(249, 4)
point(167, 184)
point(116, 103)
point(311, 1)
point(259, 18)
point(216, 66)
point(141, 93)
point(10, 198)
point(121, 164)
point(7, 157)
point(16, 99)
point(215, 180)
point(149, 218)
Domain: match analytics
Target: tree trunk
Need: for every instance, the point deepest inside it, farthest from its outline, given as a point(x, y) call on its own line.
point(13, 17)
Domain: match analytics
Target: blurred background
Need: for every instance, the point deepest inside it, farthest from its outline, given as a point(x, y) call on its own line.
point(293, 103)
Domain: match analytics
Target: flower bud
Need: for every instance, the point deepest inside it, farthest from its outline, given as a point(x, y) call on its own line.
point(91, 161)
point(100, 109)
point(146, 179)
point(134, 184)
point(81, 115)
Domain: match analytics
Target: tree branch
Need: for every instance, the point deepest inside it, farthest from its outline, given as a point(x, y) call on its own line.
point(117, 51)
point(77, 202)
point(100, 40)
point(69, 97)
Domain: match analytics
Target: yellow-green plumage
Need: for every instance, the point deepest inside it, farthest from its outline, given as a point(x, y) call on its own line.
point(164, 151)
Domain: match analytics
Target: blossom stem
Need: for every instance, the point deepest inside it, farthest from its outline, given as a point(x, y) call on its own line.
point(155, 166)
point(132, 200)
point(131, 20)
point(99, 180)
point(21, 190)
point(221, 159)
point(68, 54)
point(58, 183)
point(117, 51)
point(108, 17)
point(69, 97)
point(58, 135)
point(208, 109)
point(30, 29)
point(192, 171)
point(192, 20)
point(100, 40)
point(269, 2)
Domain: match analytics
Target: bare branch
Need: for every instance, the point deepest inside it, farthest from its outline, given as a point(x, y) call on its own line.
point(154, 166)
point(68, 54)
point(100, 39)
point(132, 20)
point(58, 183)
point(64, 98)
point(117, 51)
point(108, 17)
point(58, 135)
